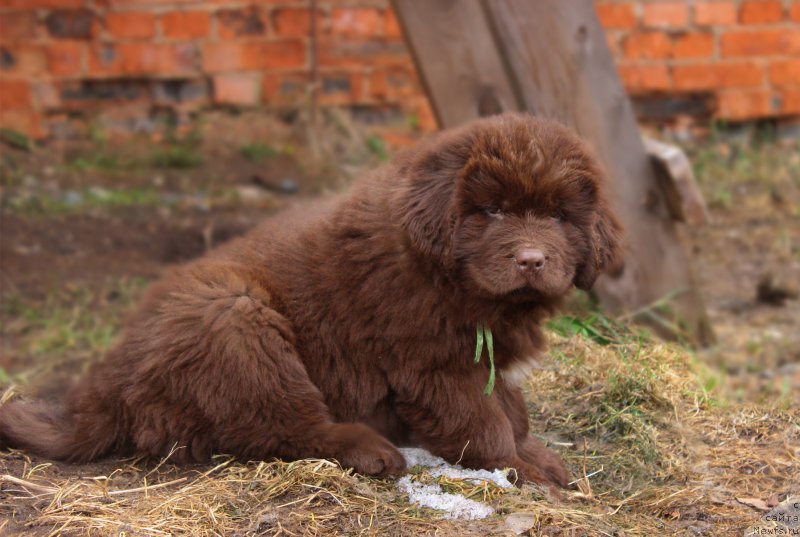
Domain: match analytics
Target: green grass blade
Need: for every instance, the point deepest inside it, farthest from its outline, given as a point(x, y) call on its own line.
point(479, 346)
point(490, 345)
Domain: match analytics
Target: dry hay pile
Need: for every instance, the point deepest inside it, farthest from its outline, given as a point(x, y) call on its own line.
point(653, 451)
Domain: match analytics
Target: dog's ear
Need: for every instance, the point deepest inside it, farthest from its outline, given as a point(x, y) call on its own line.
point(606, 253)
point(425, 209)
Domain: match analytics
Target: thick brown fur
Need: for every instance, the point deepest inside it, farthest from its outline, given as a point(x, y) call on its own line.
point(344, 331)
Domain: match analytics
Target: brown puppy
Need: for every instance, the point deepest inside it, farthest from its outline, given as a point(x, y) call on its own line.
point(341, 333)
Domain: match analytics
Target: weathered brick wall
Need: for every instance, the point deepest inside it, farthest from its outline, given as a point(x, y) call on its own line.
point(129, 59)
point(738, 59)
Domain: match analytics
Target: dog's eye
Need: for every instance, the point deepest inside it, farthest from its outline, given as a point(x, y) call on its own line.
point(494, 212)
point(558, 216)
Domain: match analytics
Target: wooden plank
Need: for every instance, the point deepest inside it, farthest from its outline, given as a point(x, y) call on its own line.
point(678, 183)
point(456, 57)
point(550, 58)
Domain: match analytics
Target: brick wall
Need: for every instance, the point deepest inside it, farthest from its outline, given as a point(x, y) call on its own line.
point(739, 60)
point(127, 60)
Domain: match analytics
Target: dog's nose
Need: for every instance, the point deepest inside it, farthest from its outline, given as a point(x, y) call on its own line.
point(530, 259)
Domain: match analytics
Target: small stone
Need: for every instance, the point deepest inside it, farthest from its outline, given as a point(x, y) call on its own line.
point(250, 194)
point(73, 198)
point(289, 186)
point(520, 523)
point(100, 193)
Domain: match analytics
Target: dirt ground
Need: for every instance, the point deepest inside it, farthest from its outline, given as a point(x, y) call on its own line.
point(86, 225)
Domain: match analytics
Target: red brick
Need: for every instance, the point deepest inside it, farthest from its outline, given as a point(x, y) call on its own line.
point(22, 60)
point(143, 58)
point(356, 53)
point(795, 12)
point(426, 117)
point(22, 120)
point(693, 45)
point(791, 40)
point(785, 72)
point(15, 94)
point(391, 25)
point(790, 101)
point(761, 42)
point(336, 88)
point(694, 77)
point(66, 58)
point(284, 89)
point(645, 78)
point(394, 83)
point(294, 22)
point(46, 95)
point(186, 24)
point(715, 13)
point(239, 2)
point(760, 11)
point(341, 88)
point(17, 26)
point(666, 15)
point(649, 45)
point(616, 16)
point(72, 24)
point(237, 89)
point(128, 3)
point(227, 56)
point(741, 105)
point(361, 21)
point(711, 76)
point(35, 4)
point(739, 74)
point(247, 22)
point(131, 25)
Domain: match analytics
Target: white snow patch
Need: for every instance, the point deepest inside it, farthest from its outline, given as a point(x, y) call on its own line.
point(454, 505)
point(440, 467)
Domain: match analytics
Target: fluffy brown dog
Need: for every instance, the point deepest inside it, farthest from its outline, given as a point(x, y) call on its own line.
point(345, 332)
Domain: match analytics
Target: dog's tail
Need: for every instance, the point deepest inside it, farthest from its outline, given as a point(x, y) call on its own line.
point(47, 430)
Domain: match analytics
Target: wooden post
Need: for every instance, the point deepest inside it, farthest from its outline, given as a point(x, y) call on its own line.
point(550, 58)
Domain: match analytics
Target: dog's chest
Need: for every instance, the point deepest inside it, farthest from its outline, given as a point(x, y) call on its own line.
point(520, 349)
point(516, 373)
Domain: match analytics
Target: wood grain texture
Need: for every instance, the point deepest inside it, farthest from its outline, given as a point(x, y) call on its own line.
point(677, 182)
point(460, 66)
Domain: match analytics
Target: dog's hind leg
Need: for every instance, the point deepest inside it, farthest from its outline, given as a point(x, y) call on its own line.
point(220, 373)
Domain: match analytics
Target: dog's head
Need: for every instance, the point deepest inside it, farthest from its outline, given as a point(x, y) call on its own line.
point(514, 204)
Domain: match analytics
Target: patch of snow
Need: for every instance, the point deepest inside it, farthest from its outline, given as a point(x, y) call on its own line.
point(421, 457)
point(454, 505)
point(440, 467)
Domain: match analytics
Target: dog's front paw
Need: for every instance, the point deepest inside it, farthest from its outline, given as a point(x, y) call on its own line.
point(367, 452)
point(554, 469)
point(549, 466)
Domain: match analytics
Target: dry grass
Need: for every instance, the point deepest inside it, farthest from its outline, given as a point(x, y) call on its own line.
point(653, 453)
